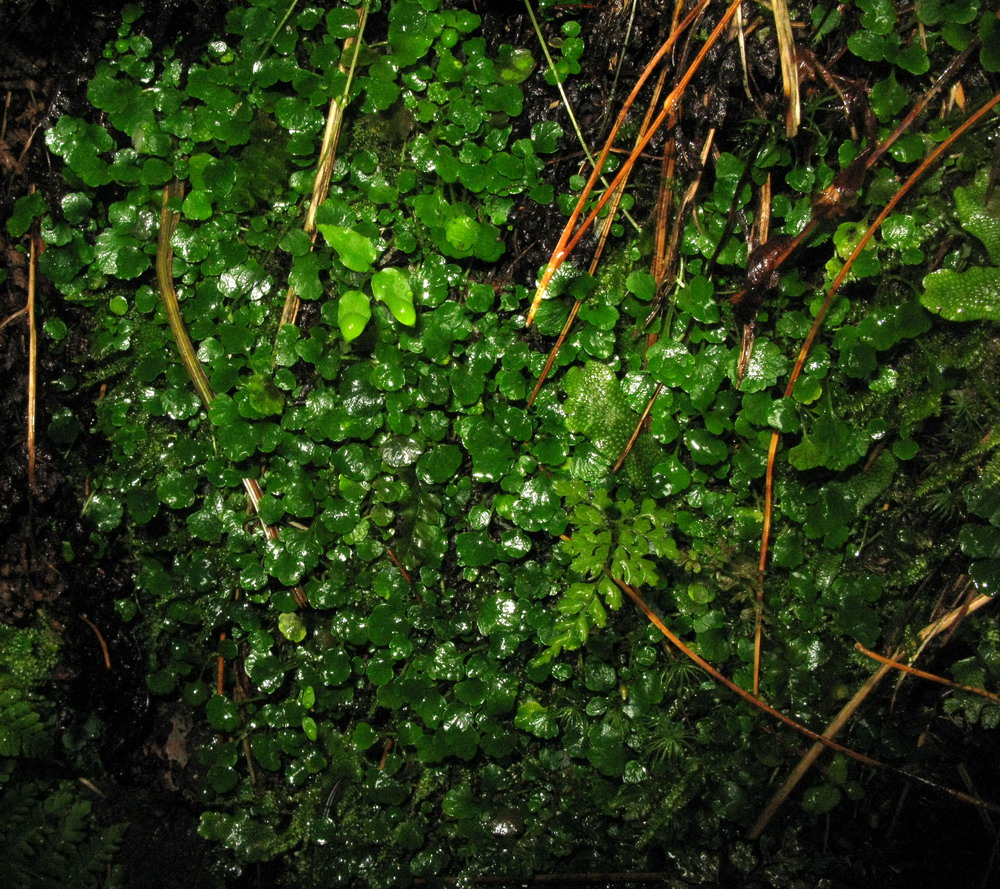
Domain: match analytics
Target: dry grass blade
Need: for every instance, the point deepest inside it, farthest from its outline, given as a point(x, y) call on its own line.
point(172, 194)
point(789, 66)
point(169, 218)
point(848, 710)
point(327, 158)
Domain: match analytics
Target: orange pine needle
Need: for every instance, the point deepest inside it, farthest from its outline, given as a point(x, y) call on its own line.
point(399, 565)
point(634, 595)
point(800, 361)
point(562, 250)
point(673, 97)
point(923, 674)
point(598, 252)
point(32, 357)
point(100, 639)
point(220, 669)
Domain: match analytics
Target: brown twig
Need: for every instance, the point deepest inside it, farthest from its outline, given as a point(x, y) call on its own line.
point(32, 355)
point(100, 639)
point(923, 674)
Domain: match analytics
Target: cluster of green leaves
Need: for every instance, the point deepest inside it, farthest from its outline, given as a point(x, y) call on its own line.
point(419, 501)
point(47, 833)
point(413, 439)
point(970, 294)
point(28, 656)
point(47, 829)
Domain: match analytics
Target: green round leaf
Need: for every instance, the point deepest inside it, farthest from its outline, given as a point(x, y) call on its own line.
point(353, 313)
point(392, 286)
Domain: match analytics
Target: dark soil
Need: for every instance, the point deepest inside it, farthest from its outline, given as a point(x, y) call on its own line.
point(50, 569)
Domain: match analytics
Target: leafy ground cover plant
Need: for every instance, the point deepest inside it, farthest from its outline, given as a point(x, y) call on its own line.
point(425, 669)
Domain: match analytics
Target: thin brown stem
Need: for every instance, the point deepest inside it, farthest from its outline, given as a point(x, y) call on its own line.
point(32, 358)
point(800, 361)
point(846, 712)
point(923, 674)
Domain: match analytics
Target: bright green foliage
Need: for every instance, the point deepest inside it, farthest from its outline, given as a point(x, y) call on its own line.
point(973, 294)
point(47, 830)
point(27, 656)
point(457, 548)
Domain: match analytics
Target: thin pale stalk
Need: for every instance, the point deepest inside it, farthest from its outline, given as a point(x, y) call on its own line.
point(327, 158)
point(789, 66)
point(189, 357)
point(565, 99)
point(846, 712)
point(13, 316)
point(32, 358)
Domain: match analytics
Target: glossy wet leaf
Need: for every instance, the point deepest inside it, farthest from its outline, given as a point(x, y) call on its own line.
point(356, 251)
point(353, 314)
point(392, 287)
point(980, 215)
point(972, 295)
point(532, 717)
point(292, 626)
point(475, 549)
point(26, 209)
point(222, 712)
point(439, 464)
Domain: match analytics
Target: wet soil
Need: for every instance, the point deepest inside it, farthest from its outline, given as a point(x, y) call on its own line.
point(111, 738)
